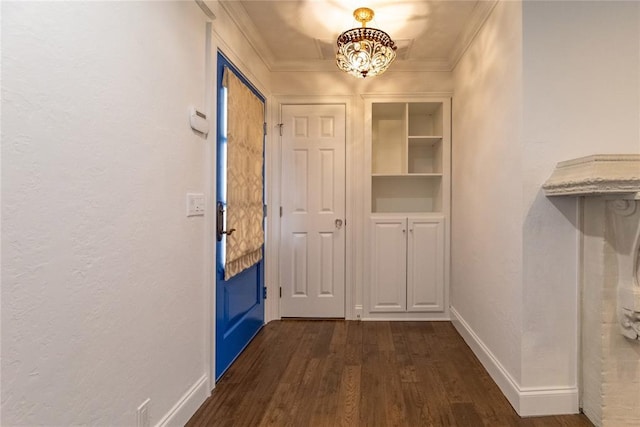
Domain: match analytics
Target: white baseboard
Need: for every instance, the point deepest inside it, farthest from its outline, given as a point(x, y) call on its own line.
point(546, 401)
point(527, 401)
point(505, 381)
point(188, 404)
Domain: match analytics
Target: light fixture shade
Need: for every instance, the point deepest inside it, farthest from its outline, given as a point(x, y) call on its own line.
point(365, 52)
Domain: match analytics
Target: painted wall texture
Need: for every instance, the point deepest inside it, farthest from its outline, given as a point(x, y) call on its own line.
point(581, 96)
point(103, 300)
point(103, 275)
point(486, 240)
point(339, 83)
point(515, 252)
point(232, 42)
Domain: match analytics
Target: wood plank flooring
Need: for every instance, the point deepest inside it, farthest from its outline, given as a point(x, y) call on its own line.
point(343, 373)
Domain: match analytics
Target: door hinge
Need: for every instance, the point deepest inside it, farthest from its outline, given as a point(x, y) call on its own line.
point(264, 127)
point(264, 292)
point(265, 211)
point(280, 211)
point(280, 291)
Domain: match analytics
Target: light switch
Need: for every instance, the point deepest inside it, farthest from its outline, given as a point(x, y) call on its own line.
point(195, 204)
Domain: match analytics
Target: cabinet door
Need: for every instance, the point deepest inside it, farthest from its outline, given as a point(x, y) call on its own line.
point(388, 291)
point(425, 264)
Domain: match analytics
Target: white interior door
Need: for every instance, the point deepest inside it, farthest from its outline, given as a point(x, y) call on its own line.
point(312, 240)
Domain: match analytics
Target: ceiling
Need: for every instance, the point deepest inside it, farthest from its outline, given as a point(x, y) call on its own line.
point(431, 35)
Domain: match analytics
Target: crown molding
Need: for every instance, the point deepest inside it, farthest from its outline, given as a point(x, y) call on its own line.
point(241, 19)
point(438, 65)
point(205, 8)
point(330, 65)
point(479, 15)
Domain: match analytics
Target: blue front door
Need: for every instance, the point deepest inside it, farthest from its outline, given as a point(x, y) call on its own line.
point(239, 300)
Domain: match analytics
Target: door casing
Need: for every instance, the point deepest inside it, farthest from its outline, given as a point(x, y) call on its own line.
point(353, 305)
point(321, 220)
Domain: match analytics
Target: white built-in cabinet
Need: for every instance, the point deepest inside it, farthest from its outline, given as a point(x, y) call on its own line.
point(407, 152)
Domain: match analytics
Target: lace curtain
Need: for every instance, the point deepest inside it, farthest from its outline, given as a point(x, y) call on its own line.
point(245, 133)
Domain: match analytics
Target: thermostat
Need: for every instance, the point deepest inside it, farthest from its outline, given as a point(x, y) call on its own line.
point(198, 121)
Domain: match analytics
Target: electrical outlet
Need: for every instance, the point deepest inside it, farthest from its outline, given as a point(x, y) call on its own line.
point(143, 414)
point(195, 204)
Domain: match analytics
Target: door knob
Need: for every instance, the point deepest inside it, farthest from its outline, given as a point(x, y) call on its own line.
point(338, 224)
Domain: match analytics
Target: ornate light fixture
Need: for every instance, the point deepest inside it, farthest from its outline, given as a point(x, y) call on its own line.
point(365, 52)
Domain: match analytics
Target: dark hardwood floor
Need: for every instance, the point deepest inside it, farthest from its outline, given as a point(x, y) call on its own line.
point(342, 373)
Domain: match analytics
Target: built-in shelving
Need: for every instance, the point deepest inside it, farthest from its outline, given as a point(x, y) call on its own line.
point(407, 142)
point(407, 152)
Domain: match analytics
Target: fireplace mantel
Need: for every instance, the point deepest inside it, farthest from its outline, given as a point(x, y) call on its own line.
point(617, 177)
point(597, 175)
point(609, 188)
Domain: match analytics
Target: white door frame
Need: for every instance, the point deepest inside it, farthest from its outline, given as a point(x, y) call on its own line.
point(309, 209)
point(274, 158)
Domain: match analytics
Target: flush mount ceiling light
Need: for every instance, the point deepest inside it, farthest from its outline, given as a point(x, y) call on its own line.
point(365, 52)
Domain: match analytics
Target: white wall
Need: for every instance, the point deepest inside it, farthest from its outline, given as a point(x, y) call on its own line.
point(486, 242)
point(559, 81)
point(339, 83)
point(231, 41)
point(581, 83)
point(103, 275)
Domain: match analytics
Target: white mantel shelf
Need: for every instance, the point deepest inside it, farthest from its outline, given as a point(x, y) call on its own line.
point(609, 188)
point(617, 177)
point(609, 185)
point(597, 175)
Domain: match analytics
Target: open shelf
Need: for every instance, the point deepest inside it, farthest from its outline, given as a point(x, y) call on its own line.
point(406, 193)
point(407, 166)
point(388, 138)
point(424, 139)
point(424, 155)
point(425, 118)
